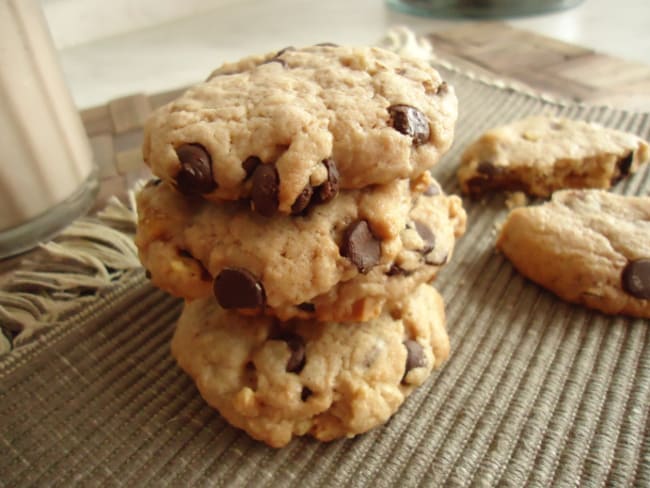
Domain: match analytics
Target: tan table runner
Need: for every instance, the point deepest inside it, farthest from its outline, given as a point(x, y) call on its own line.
point(536, 392)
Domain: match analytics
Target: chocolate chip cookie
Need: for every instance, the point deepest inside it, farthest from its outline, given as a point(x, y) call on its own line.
point(539, 155)
point(324, 379)
point(587, 246)
point(338, 262)
point(287, 130)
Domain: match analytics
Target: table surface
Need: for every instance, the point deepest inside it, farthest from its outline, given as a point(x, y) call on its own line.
point(111, 49)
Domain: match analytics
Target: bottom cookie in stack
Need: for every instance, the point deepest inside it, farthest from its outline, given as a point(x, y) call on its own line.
point(279, 380)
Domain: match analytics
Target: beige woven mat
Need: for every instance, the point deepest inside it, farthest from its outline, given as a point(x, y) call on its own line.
point(536, 392)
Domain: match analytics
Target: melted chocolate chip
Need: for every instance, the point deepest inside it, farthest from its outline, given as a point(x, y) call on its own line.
point(330, 188)
point(625, 164)
point(491, 177)
point(432, 190)
point(414, 356)
point(238, 288)
point(307, 307)
point(411, 122)
point(302, 201)
point(305, 393)
point(360, 246)
point(195, 176)
point(297, 347)
point(265, 189)
point(635, 278)
point(487, 168)
point(427, 236)
point(147, 274)
point(249, 164)
point(327, 44)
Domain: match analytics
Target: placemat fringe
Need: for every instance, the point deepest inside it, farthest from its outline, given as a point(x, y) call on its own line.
point(88, 256)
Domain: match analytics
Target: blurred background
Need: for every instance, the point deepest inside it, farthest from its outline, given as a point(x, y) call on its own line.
point(110, 49)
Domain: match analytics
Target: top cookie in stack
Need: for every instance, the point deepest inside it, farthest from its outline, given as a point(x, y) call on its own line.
point(288, 129)
point(296, 184)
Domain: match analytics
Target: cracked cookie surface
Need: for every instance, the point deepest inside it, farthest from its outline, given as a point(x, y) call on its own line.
point(539, 155)
point(327, 380)
point(587, 246)
point(339, 262)
point(286, 130)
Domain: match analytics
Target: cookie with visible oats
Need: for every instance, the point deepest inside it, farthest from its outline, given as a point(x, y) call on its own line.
point(339, 261)
point(287, 130)
point(539, 155)
point(327, 380)
point(587, 246)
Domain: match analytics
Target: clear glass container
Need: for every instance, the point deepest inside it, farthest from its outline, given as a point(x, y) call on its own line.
point(480, 8)
point(47, 173)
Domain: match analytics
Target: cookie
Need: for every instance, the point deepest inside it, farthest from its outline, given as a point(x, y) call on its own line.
point(539, 155)
point(325, 379)
point(586, 246)
point(288, 130)
point(336, 262)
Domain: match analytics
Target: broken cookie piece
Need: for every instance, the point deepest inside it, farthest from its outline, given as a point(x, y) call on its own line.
point(539, 155)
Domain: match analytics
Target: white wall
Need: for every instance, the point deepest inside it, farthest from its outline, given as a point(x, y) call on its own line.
point(99, 19)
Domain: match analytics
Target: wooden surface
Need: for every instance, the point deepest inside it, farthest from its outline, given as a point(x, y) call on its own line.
point(545, 64)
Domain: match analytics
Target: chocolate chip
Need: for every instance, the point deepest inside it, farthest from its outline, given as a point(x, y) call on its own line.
point(411, 122)
point(487, 168)
point(185, 253)
point(307, 307)
point(276, 60)
point(265, 189)
point(284, 50)
point(238, 288)
point(323, 193)
point(625, 164)
point(147, 274)
point(297, 347)
point(623, 168)
point(330, 188)
point(636, 278)
point(195, 176)
point(305, 393)
point(249, 165)
point(414, 356)
point(427, 236)
point(360, 246)
point(327, 44)
point(397, 270)
point(432, 190)
point(302, 201)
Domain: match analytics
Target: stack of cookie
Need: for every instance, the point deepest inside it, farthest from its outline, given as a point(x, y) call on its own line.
point(296, 216)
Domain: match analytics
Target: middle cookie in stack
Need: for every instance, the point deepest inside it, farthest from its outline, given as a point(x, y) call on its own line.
point(340, 262)
point(295, 185)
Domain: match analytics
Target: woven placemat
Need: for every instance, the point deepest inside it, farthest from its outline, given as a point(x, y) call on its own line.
point(536, 392)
